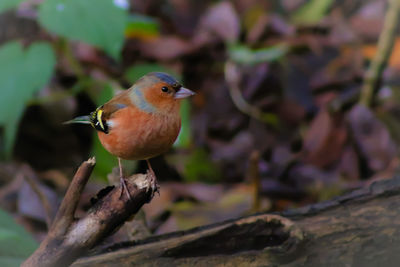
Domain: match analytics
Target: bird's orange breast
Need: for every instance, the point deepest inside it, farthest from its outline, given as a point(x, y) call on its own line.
point(135, 134)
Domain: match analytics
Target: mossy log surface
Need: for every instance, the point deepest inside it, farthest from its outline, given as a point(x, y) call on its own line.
point(361, 228)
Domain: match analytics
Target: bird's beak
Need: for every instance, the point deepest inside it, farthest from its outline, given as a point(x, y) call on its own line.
point(183, 93)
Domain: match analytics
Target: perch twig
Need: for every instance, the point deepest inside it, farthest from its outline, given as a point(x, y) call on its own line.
point(69, 238)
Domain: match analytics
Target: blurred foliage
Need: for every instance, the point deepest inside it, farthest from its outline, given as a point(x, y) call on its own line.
point(15, 243)
point(105, 162)
point(292, 60)
point(140, 26)
point(22, 73)
point(199, 167)
point(97, 22)
point(7, 4)
point(36, 64)
point(244, 55)
point(312, 12)
point(230, 204)
point(185, 137)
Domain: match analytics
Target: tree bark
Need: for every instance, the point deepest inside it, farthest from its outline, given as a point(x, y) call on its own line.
point(361, 228)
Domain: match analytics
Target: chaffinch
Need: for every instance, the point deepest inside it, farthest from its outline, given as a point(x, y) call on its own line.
point(141, 122)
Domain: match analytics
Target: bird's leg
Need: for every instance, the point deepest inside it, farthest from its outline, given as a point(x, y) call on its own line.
point(122, 181)
point(153, 179)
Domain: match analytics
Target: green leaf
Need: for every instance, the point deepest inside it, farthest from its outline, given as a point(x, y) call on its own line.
point(185, 135)
point(22, 73)
point(199, 167)
point(140, 26)
point(98, 22)
point(105, 162)
point(15, 243)
point(312, 12)
point(8, 4)
point(106, 94)
point(245, 55)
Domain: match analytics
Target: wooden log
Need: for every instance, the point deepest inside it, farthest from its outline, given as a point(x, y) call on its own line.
point(361, 228)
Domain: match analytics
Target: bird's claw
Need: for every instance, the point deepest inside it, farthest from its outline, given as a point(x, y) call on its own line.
point(154, 187)
point(124, 188)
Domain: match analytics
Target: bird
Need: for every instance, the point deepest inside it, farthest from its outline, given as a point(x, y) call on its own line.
point(141, 122)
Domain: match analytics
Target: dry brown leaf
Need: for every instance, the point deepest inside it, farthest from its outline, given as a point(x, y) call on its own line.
point(165, 48)
point(233, 203)
point(173, 191)
point(372, 138)
point(324, 141)
point(31, 206)
point(349, 164)
point(368, 21)
point(221, 20)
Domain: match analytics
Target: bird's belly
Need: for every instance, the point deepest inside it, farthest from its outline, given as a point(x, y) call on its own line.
point(146, 137)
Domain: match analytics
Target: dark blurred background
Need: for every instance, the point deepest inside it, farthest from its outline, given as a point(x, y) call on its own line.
point(277, 121)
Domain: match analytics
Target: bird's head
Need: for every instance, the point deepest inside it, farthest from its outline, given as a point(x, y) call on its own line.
point(161, 91)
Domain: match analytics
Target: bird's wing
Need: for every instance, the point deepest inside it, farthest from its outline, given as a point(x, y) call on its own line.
point(98, 118)
point(102, 114)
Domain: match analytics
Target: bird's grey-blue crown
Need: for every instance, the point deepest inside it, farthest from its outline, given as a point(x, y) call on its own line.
point(165, 78)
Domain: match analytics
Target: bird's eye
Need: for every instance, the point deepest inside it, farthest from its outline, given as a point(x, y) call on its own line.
point(164, 89)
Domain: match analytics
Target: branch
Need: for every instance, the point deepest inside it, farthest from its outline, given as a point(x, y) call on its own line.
point(69, 239)
point(65, 214)
point(385, 45)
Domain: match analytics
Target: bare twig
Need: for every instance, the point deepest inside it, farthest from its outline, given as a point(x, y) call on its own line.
point(65, 214)
point(232, 76)
point(385, 45)
point(69, 238)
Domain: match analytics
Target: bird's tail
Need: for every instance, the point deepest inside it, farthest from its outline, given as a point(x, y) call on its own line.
point(80, 119)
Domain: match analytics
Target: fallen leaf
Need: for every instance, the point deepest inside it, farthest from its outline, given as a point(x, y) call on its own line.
point(312, 12)
point(234, 202)
point(349, 164)
point(324, 140)
point(221, 20)
point(165, 48)
point(367, 22)
point(30, 205)
point(372, 138)
point(174, 191)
